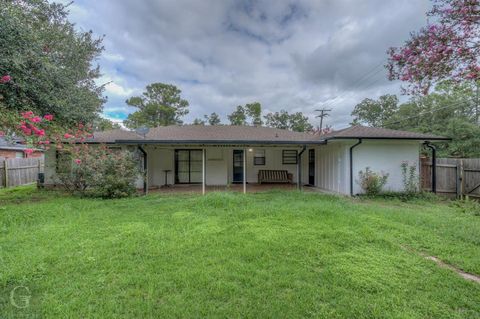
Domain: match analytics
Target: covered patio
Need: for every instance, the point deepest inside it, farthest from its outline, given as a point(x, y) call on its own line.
point(216, 167)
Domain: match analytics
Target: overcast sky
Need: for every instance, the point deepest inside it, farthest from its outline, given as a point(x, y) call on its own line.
point(293, 55)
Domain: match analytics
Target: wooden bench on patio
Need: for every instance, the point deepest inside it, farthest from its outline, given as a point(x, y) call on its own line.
point(274, 176)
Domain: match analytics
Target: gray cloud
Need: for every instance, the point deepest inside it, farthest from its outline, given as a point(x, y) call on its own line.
point(294, 55)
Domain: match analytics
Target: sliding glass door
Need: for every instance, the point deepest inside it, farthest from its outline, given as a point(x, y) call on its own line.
point(188, 166)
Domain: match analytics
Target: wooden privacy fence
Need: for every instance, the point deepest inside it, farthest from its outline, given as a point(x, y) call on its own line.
point(456, 177)
point(19, 171)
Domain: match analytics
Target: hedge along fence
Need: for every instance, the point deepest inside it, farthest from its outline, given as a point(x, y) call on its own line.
point(20, 171)
point(456, 177)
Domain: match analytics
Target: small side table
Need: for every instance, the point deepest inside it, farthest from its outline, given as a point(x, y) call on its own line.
point(166, 171)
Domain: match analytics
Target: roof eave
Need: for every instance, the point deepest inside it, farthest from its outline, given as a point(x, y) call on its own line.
point(389, 138)
point(212, 142)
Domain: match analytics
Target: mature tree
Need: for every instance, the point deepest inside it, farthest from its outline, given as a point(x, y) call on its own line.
point(238, 117)
point(103, 124)
point(283, 120)
point(375, 112)
point(250, 114)
point(451, 110)
point(279, 120)
point(465, 138)
point(254, 111)
point(449, 48)
point(160, 105)
point(213, 119)
point(46, 66)
point(198, 121)
point(299, 123)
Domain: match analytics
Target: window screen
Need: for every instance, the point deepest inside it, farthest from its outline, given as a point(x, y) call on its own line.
point(259, 157)
point(289, 156)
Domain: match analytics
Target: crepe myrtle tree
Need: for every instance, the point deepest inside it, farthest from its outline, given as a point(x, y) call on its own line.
point(447, 49)
point(85, 170)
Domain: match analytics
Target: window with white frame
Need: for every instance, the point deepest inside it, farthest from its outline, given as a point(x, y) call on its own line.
point(259, 157)
point(289, 157)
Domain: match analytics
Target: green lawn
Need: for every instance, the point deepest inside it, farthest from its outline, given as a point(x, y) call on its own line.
point(265, 255)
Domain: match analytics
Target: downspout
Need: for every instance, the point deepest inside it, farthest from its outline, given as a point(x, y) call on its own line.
point(299, 167)
point(144, 169)
point(351, 164)
point(434, 165)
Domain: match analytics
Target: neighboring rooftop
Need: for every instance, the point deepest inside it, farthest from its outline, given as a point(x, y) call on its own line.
point(14, 145)
point(249, 134)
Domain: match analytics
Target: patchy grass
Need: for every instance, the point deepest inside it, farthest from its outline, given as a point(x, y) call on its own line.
point(269, 255)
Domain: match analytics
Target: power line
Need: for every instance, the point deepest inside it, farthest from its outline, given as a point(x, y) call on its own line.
point(426, 112)
point(359, 82)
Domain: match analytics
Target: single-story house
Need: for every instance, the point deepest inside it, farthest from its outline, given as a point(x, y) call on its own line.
point(15, 149)
point(223, 155)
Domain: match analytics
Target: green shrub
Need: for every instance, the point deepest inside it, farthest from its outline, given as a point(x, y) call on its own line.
point(410, 178)
point(371, 182)
point(467, 206)
point(97, 171)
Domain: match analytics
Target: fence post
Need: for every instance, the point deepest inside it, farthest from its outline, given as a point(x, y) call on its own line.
point(459, 182)
point(462, 182)
point(5, 168)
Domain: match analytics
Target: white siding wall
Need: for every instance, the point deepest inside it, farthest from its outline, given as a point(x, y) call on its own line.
point(332, 167)
point(217, 165)
point(158, 160)
point(50, 165)
point(386, 156)
point(333, 163)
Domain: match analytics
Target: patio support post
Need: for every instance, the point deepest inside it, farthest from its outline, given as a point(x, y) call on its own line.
point(244, 170)
point(203, 171)
point(145, 171)
point(299, 167)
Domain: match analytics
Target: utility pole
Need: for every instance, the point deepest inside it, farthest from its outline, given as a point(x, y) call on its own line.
point(322, 115)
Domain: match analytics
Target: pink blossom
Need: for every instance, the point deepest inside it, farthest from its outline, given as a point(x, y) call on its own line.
point(66, 135)
point(28, 151)
point(78, 161)
point(27, 115)
point(5, 79)
point(48, 117)
point(2, 133)
point(36, 119)
point(39, 132)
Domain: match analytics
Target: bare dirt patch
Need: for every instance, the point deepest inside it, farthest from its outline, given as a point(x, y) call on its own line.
point(463, 274)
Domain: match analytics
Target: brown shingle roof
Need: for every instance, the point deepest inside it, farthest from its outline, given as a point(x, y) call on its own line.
point(113, 135)
point(200, 133)
point(247, 134)
point(226, 133)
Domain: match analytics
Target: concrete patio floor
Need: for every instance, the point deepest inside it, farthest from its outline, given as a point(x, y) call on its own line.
point(251, 188)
